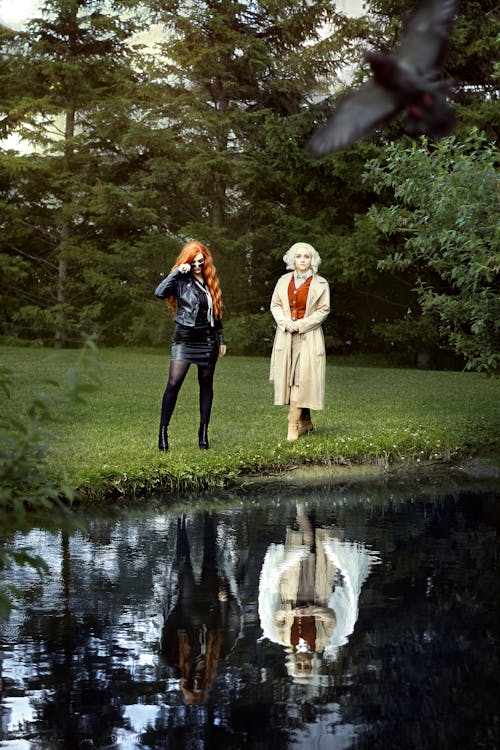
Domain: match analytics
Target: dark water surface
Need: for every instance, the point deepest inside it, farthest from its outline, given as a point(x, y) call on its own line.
point(328, 617)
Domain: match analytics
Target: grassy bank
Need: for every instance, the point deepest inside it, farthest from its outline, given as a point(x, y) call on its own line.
point(107, 445)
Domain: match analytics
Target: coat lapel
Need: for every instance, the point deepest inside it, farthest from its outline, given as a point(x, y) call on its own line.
point(285, 281)
point(314, 292)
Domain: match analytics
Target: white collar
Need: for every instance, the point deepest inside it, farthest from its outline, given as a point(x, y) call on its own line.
point(300, 278)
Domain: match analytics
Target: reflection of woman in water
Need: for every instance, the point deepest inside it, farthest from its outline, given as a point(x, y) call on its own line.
point(308, 593)
point(205, 620)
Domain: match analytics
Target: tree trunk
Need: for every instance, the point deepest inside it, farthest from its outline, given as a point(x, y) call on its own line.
point(220, 186)
point(62, 275)
point(60, 337)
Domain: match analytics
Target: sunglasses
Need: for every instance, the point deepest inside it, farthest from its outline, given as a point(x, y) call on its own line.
point(197, 263)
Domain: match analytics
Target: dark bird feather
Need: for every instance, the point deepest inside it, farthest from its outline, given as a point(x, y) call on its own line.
point(405, 81)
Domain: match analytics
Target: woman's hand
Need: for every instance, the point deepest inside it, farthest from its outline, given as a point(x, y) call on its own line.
point(184, 267)
point(222, 350)
point(292, 326)
point(299, 611)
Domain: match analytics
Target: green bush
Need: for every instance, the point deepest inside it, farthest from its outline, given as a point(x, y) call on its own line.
point(251, 334)
point(414, 339)
point(26, 487)
point(444, 217)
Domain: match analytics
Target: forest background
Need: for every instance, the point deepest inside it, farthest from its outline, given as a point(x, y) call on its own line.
point(128, 149)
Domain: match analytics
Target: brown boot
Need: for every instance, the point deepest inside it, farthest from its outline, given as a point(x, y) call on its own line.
point(293, 421)
point(305, 424)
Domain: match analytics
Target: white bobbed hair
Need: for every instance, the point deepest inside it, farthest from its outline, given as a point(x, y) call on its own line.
point(289, 256)
point(312, 678)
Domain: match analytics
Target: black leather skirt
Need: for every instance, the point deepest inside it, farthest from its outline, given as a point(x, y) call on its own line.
point(197, 345)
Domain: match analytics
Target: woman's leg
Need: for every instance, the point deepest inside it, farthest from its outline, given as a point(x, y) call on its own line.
point(206, 382)
point(176, 375)
point(293, 415)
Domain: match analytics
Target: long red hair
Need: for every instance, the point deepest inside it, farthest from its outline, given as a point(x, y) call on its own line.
point(211, 657)
point(187, 255)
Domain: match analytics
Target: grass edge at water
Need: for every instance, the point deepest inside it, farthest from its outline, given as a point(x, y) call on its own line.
point(106, 447)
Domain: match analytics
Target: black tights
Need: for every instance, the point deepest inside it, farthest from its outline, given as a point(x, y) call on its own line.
point(176, 375)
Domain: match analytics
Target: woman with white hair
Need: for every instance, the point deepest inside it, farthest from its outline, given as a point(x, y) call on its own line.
point(299, 305)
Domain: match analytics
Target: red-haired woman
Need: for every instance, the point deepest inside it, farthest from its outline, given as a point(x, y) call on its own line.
point(193, 293)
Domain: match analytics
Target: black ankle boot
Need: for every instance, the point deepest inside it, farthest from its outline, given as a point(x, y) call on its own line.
point(203, 437)
point(163, 438)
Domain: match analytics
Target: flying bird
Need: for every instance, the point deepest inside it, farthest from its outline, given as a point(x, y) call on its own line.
point(405, 81)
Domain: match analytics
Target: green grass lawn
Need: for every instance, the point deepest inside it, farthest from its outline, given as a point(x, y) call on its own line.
point(108, 445)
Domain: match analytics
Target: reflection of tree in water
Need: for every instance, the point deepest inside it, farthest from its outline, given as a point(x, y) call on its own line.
point(76, 700)
point(430, 647)
point(76, 667)
point(419, 669)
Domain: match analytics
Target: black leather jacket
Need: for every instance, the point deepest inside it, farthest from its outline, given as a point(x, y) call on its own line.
point(182, 286)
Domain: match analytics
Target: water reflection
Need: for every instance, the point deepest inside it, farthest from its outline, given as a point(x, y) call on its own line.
point(203, 616)
point(308, 594)
point(404, 629)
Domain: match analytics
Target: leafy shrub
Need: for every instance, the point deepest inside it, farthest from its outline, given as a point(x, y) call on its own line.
point(413, 337)
point(251, 334)
point(446, 211)
point(26, 490)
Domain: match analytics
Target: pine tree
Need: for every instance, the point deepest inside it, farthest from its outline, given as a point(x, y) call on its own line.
point(72, 102)
point(238, 73)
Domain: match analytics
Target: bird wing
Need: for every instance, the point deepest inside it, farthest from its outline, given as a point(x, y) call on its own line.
point(354, 116)
point(424, 38)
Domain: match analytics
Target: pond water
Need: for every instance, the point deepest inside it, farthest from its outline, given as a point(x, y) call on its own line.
point(324, 617)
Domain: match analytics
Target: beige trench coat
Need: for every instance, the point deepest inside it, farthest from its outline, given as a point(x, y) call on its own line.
point(312, 344)
point(324, 584)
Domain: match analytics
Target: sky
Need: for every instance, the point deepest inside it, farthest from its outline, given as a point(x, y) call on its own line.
point(15, 13)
